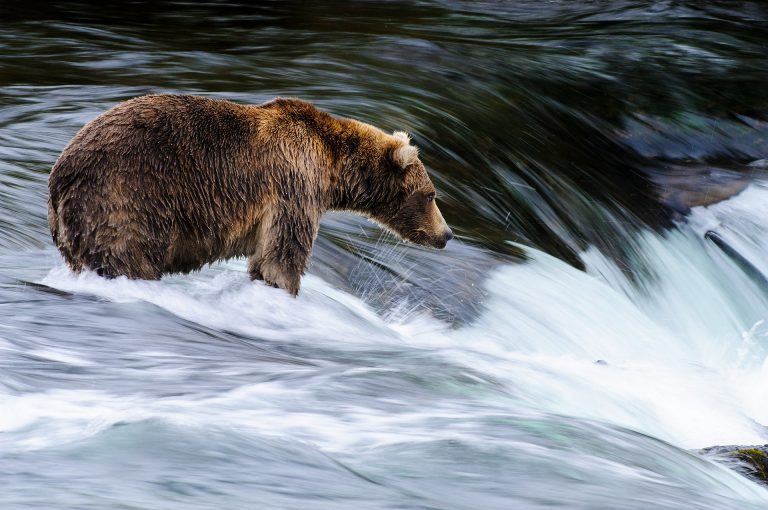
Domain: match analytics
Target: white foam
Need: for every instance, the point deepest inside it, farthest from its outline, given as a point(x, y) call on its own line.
point(228, 300)
point(40, 420)
point(685, 345)
point(60, 355)
point(547, 324)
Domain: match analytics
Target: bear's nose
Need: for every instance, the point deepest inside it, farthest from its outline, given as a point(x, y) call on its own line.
point(448, 235)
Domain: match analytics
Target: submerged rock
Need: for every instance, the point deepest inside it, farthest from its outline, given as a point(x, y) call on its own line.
point(751, 461)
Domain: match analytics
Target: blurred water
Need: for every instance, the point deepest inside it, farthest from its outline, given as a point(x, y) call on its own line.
point(597, 319)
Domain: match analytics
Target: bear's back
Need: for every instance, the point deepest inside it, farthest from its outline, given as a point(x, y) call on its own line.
point(145, 134)
point(163, 174)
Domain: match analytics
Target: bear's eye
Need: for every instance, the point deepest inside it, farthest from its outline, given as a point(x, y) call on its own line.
point(430, 197)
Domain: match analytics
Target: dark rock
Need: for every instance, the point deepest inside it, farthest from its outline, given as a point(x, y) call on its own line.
point(751, 461)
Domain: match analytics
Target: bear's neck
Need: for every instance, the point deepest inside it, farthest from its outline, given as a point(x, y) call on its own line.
point(348, 188)
point(354, 183)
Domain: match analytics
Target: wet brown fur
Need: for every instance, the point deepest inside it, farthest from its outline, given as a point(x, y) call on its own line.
point(168, 183)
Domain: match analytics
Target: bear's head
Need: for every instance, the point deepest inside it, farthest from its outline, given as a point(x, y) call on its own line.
point(412, 212)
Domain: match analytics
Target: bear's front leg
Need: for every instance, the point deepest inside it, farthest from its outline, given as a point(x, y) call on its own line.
point(288, 279)
point(286, 244)
point(254, 267)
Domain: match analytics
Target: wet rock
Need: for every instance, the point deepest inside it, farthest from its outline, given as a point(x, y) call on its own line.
point(751, 461)
point(681, 187)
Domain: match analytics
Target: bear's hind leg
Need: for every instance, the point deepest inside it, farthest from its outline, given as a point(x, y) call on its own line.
point(134, 266)
point(127, 255)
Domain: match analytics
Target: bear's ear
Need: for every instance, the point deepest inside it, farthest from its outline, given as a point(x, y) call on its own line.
point(404, 154)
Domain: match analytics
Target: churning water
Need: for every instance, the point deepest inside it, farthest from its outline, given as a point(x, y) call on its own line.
point(602, 315)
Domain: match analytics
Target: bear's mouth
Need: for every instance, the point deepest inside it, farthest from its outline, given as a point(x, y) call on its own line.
point(438, 242)
point(423, 239)
point(418, 236)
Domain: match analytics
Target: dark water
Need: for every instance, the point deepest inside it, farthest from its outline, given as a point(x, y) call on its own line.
point(603, 165)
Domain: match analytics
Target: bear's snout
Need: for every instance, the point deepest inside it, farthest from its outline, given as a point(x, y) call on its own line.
point(442, 241)
point(442, 232)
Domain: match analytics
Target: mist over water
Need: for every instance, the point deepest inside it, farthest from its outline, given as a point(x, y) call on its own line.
point(602, 314)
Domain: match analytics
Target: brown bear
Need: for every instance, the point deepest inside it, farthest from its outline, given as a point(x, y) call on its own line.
point(168, 183)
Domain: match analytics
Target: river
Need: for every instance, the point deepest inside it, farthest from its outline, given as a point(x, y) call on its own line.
point(601, 315)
